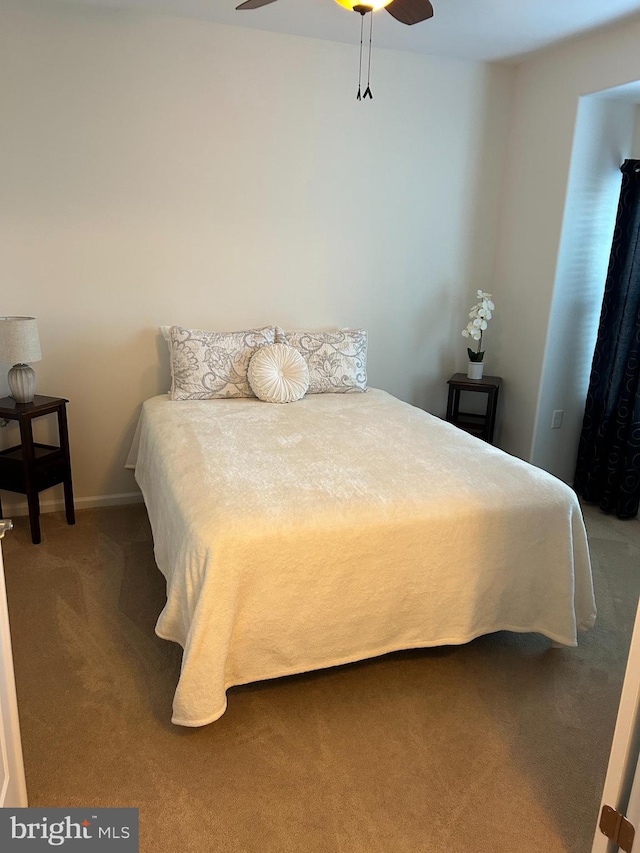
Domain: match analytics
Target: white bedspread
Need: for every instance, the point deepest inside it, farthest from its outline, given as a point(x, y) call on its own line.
point(300, 536)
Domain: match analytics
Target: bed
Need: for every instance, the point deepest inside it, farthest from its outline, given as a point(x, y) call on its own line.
point(342, 527)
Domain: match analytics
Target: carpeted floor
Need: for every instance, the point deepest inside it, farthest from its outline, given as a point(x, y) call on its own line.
point(499, 745)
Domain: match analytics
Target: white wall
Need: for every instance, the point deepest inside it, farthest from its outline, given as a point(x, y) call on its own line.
point(635, 146)
point(547, 92)
point(159, 170)
point(602, 141)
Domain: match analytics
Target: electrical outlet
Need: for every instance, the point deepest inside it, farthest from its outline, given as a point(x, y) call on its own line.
point(556, 420)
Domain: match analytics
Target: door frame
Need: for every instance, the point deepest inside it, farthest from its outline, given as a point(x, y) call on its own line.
point(625, 748)
point(13, 793)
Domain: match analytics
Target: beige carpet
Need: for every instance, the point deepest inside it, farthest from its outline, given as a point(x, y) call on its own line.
point(500, 745)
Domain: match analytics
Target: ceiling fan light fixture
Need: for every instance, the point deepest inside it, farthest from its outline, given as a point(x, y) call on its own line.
point(371, 5)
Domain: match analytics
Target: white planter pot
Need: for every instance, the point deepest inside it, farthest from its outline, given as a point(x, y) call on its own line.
point(475, 369)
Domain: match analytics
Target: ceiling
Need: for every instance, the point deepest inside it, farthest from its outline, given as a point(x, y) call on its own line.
point(469, 29)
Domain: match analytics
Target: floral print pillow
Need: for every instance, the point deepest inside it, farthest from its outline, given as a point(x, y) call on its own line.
point(206, 365)
point(337, 361)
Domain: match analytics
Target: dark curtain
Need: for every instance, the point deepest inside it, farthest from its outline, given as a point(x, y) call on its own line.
point(608, 467)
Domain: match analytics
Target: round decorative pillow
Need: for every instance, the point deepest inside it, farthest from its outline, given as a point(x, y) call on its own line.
point(278, 374)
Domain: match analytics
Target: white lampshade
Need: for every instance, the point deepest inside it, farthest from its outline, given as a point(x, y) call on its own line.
point(19, 341)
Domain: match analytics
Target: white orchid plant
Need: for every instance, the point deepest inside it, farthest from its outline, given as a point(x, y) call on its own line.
point(480, 315)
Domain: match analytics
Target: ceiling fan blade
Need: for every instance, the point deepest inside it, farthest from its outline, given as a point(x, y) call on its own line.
point(410, 11)
point(254, 4)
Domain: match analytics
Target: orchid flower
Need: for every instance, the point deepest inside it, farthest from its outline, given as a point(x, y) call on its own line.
point(480, 315)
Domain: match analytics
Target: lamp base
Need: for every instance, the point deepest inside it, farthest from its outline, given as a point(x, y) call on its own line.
point(22, 383)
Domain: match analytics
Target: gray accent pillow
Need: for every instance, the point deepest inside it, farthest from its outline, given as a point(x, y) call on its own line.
point(337, 361)
point(206, 365)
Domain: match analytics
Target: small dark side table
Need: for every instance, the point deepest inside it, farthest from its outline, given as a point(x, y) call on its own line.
point(29, 467)
point(481, 425)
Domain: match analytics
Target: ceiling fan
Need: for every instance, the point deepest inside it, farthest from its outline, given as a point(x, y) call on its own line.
point(406, 11)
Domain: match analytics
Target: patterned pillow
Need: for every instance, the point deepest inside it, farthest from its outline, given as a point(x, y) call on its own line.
point(337, 361)
point(205, 365)
point(278, 374)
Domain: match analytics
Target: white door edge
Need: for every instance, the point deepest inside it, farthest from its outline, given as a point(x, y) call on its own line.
point(625, 746)
point(13, 792)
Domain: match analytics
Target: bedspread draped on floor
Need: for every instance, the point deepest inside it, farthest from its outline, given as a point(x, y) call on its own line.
point(340, 527)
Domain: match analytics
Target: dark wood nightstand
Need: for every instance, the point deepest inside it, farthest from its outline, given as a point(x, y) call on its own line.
point(29, 468)
point(482, 425)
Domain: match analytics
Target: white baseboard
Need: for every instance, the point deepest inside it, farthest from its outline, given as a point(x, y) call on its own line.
point(12, 505)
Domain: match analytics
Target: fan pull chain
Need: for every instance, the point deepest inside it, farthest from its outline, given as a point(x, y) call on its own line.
point(367, 91)
point(359, 95)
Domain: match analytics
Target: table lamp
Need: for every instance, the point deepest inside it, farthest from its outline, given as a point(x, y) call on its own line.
point(19, 344)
